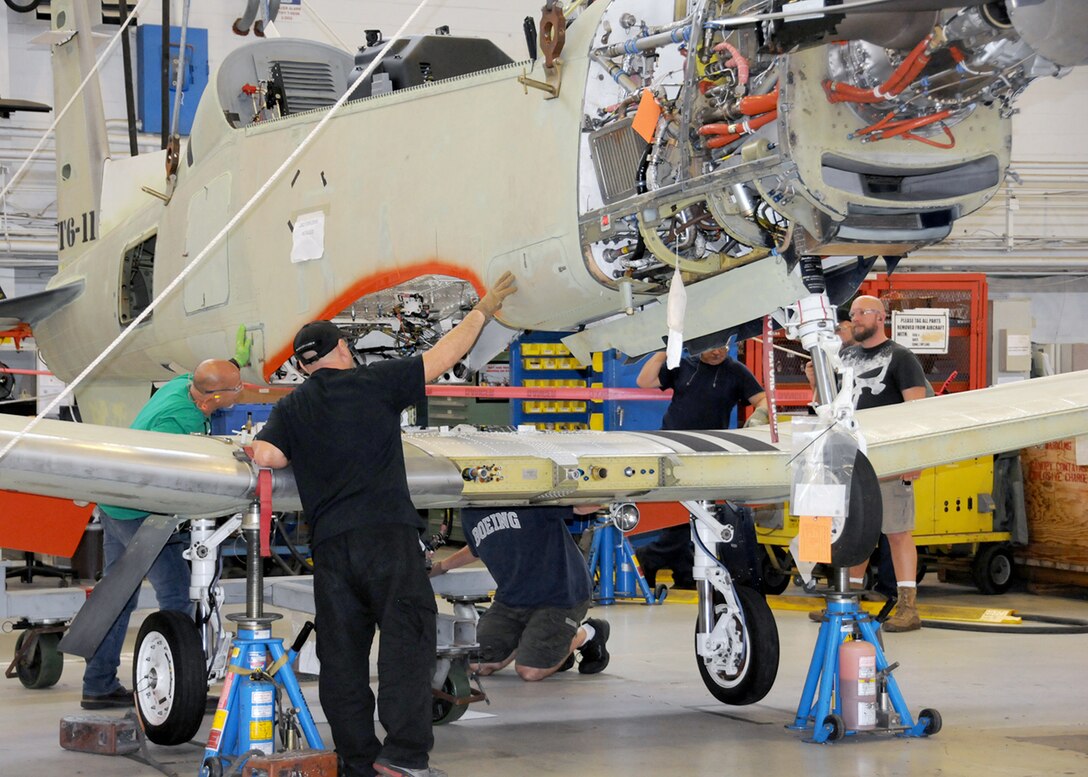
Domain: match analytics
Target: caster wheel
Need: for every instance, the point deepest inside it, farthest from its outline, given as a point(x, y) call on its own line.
point(933, 721)
point(837, 727)
point(776, 578)
point(661, 592)
point(43, 666)
point(457, 686)
point(993, 570)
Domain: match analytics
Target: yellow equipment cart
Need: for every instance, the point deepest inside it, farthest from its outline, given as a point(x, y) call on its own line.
point(966, 521)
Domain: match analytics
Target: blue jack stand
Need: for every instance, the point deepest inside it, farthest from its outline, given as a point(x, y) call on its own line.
point(246, 719)
point(823, 713)
point(612, 561)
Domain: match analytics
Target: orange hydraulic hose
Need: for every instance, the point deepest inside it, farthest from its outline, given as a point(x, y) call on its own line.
point(878, 125)
point(908, 70)
point(930, 142)
point(906, 125)
point(759, 103)
point(727, 133)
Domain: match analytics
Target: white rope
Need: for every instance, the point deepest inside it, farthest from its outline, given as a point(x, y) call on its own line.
point(64, 110)
point(308, 7)
point(287, 163)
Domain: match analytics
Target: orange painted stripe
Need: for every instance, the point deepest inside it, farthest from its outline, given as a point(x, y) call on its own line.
point(370, 284)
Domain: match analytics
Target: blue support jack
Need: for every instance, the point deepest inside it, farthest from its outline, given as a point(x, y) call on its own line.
point(612, 563)
point(248, 715)
point(822, 710)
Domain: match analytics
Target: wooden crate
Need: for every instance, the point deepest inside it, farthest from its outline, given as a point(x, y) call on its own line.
point(1056, 497)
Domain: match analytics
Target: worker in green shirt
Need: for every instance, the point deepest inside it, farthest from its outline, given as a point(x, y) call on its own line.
point(182, 406)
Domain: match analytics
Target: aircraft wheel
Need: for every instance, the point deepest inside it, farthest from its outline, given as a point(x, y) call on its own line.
point(42, 667)
point(170, 677)
point(746, 675)
point(861, 530)
point(992, 569)
point(456, 685)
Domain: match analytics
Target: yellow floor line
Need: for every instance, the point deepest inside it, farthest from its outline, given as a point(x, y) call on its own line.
point(935, 612)
point(938, 612)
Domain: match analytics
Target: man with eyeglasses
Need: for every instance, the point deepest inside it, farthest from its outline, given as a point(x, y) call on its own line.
point(886, 373)
point(182, 406)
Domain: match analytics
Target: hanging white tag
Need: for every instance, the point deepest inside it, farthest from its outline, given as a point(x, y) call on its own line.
point(674, 317)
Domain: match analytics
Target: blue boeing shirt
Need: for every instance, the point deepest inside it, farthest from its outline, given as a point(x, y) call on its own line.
point(530, 553)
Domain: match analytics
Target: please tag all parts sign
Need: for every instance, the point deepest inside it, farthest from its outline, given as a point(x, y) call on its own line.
point(922, 330)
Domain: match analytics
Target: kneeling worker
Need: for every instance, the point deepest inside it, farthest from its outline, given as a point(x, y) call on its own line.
point(543, 592)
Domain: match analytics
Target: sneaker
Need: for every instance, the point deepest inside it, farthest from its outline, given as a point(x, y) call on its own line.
point(594, 653)
point(117, 698)
point(567, 664)
point(382, 767)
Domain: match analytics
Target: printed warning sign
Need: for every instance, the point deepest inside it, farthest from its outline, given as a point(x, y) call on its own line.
point(922, 330)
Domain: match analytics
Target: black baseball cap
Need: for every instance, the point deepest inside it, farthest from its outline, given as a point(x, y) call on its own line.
point(842, 315)
point(315, 340)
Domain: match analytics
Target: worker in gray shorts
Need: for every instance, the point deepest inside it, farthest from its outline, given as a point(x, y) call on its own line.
point(886, 373)
point(542, 592)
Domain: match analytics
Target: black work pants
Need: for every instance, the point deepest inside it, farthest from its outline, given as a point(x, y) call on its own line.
point(376, 576)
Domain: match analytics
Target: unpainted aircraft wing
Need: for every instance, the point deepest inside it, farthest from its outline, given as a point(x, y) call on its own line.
point(460, 467)
point(32, 308)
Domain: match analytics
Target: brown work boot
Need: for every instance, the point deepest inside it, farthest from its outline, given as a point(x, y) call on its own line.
point(817, 615)
point(905, 617)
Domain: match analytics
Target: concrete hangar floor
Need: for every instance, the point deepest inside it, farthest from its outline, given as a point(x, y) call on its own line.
point(1012, 705)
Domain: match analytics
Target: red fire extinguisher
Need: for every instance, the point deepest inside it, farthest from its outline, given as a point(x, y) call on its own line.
point(857, 684)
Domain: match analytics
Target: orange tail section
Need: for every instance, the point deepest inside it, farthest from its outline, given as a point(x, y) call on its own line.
point(41, 524)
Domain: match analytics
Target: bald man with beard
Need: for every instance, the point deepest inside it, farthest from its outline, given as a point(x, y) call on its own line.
point(886, 373)
point(182, 406)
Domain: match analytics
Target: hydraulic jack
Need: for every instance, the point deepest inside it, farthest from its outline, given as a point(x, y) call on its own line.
point(822, 710)
point(612, 560)
point(259, 674)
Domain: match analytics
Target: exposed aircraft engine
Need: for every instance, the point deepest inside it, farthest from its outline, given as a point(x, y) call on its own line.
point(403, 320)
point(849, 133)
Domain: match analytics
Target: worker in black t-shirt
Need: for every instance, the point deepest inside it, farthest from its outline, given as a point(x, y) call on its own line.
point(542, 591)
point(705, 390)
point(340, 431)
point(886, 373)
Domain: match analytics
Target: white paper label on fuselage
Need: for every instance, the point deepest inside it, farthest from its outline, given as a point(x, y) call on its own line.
point(308, 237)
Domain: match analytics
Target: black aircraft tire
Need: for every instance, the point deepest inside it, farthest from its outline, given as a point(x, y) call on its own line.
point(861, 531)
point(169, 677)
point(760, 665)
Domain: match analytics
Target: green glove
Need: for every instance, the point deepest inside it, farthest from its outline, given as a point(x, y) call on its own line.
point(243, 341)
